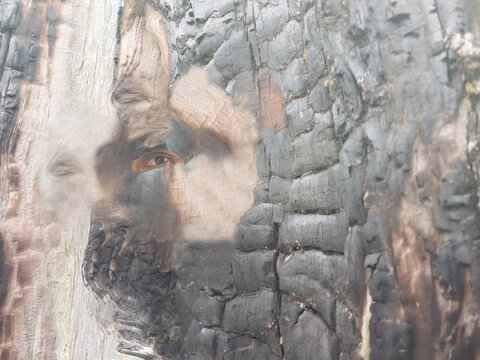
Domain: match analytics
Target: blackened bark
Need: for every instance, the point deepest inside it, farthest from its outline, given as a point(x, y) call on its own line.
point(363, 241)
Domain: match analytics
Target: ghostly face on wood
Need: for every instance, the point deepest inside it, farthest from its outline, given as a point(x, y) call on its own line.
point(175, 181)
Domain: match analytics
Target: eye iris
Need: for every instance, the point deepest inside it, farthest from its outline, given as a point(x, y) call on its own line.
point(160, 160)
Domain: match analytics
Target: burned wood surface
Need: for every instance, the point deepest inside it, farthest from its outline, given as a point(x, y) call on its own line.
point(266, 179)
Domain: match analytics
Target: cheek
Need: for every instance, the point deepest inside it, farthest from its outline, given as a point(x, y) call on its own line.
point(211, 195)
point(145, 194)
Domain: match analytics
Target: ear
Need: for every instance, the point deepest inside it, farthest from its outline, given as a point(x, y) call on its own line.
point(143, 74)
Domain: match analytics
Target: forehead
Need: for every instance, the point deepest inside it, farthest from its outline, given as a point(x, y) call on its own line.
point(197, 110)
point(233, 41)
point(204, 105)
point(197, 62)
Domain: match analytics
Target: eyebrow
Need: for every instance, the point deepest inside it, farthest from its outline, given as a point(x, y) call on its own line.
point(138, 147)
point(212, 144)
point(203, 141)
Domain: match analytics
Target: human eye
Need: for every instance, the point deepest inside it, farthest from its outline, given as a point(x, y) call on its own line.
point(155, 160)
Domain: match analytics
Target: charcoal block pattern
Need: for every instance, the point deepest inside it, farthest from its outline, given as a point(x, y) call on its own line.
point(365, 220)
point(364, 239)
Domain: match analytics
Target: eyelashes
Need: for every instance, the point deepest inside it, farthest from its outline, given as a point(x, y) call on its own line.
point(155, 160)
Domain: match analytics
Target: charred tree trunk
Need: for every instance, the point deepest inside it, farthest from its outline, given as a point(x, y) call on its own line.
point(267, 179)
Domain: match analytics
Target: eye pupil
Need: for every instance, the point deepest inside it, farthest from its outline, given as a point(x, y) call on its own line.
point(159, 160)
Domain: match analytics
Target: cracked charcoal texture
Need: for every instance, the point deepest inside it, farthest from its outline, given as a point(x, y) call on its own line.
point(14, 56)
point(368, 190)
point(342, 166)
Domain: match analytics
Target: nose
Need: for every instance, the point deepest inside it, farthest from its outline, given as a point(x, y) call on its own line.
point(144, 191)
